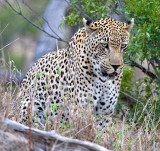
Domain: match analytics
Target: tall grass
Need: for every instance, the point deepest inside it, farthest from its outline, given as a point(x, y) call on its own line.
point(9, 84)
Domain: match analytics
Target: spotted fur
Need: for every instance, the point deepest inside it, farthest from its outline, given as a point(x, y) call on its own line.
point(90, 68)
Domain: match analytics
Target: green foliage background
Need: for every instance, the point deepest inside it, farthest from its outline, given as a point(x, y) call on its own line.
point(144, 45)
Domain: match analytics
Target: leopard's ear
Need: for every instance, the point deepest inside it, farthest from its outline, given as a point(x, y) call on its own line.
point(128, 26)
point(90, 26)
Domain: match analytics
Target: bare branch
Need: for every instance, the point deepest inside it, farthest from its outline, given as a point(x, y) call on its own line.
point(155, 69)
point(35, 25)
point(130, 97)
point(37, 15)
point(119, 4)
point(157, 61)
point(143, 69)
point(119, 9)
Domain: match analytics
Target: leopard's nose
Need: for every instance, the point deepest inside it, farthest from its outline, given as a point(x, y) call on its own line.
point(115, 66)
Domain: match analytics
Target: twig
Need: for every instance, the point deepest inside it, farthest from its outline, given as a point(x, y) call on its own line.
point(9, 44)
point(29, 124)
point(82, 129)
point(122, 142)
point(144, 109)
point(35, 25)
point(130, 97)
point(3, 29)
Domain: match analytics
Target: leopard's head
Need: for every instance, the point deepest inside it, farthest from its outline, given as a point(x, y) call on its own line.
point(107, 40)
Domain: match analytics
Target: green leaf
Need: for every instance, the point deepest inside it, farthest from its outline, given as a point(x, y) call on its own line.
point(58, 71)
point(55, 106)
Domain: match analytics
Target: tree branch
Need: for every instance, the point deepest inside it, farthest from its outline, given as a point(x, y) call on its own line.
point(155, 69)
point(157, 61)
point(40, 16)
point(35, 25)
point(87, 17)
point(143, 69)
point(81, 12)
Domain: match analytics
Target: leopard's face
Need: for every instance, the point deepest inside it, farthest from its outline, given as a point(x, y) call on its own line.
point(108, 43)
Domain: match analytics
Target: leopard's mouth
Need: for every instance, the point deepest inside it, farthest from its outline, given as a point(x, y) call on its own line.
point(110, 75)
point(113, 74)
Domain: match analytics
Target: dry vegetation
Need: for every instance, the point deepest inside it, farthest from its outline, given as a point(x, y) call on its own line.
point(118, 134)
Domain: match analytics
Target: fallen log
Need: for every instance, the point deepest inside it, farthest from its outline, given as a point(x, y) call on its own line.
point(15, 137)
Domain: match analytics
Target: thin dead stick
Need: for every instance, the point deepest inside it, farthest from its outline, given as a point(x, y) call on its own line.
point(9, 44)
point(4, 29)
point(82, 129)
point(29, 124)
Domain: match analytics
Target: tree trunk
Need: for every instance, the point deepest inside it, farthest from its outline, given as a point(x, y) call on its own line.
point(54, 12)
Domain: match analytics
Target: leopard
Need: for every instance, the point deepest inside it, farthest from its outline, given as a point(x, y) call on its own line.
point(90, 68)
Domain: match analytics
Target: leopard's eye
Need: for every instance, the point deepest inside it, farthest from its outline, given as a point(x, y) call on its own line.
point(105, 45)
point(124, 47)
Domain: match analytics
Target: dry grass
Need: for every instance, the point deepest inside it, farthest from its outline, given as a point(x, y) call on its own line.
point(8, 92)
point(118, 135)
